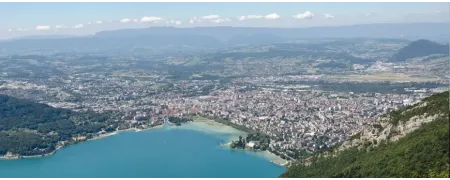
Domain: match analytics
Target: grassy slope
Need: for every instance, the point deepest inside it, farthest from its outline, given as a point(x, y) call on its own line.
point(422, 153)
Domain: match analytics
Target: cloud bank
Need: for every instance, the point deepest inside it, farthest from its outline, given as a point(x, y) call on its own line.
point(272, 16)
point(42, 27)
point(174, 22)
point(125, 20)
point(151, 19)
point(241, 18)
point(305, 15)
point(78, 26)
point(328, 16)
point(209, 18)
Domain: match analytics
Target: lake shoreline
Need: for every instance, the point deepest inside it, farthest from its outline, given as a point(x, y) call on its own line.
point(266, 155)
point(204, 125)
point(214, 126)
point(147, 154)
point(17, 157)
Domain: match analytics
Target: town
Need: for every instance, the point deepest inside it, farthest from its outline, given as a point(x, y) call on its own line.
point(297, 118)
point(300, 112)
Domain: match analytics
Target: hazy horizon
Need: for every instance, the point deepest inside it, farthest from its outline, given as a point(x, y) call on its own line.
point(63, 34)
point(88, 18)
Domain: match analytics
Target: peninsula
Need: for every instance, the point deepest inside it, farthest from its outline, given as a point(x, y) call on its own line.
point(29, 129)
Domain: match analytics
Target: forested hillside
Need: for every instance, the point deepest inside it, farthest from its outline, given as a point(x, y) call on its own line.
point(420, 48)
point(28, 128)
point(424, 152)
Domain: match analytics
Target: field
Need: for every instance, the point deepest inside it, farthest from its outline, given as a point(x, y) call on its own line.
point(158, 85)
point(395, 77)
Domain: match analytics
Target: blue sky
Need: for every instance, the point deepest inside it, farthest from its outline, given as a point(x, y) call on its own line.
point(24, 18)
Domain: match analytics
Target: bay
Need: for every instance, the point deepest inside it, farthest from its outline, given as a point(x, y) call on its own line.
point(162, 152)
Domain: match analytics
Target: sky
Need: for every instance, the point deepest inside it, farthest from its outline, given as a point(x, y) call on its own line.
point(26, 19)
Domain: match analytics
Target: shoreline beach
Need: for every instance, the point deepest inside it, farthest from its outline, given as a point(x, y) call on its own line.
point(200, 124)
point(265, 154)
point(211, 126)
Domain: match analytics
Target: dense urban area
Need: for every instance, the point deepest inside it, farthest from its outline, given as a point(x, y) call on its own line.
point(293, 98)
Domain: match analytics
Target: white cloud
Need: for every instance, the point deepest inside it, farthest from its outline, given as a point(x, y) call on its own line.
point(194, 20)
point(210, 17)
point(272, 16)
point(42, 28)
point(21, 29)
point(59, 26)
point(125, 20)
point(99, 22)
point(135, 20)
point(254, 17)
point(305, 15)
point(9, 30)
point(328, 16)
point(78, 26)
point(173, 22)
point(369, 14)
point(241, 18)
point(151, 19)
point(221, 20)
point(445, 12)
point(442, 12)
point(89, 23)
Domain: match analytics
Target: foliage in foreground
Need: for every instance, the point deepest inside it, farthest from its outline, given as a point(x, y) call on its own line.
point(421, 153)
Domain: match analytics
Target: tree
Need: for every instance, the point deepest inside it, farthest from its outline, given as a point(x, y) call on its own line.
point(233, 144)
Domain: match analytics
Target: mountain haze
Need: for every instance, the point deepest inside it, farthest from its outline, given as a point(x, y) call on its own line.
point(420, 48)
point(216, 37)
point(414, 30)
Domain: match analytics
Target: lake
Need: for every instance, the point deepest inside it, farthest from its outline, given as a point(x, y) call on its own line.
point(160, 152)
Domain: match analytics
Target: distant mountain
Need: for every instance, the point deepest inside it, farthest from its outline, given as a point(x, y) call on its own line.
point(215, 37)
point(45, 37)
point(410, 142)
point(254, 39)
point(420, 48)
point(407, 31)
point(92, 43)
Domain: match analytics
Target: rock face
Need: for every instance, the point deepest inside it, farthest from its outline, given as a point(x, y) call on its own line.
point(386, 130)
point(409, 142)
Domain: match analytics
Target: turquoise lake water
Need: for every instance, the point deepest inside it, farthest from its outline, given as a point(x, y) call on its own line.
point(159, 152)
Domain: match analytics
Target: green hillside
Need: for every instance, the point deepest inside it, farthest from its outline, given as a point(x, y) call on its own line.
point(421, 153)
point(28, 128)
point(420, 48)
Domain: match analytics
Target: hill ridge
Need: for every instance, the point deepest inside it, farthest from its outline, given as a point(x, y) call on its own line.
point(409, 142)
point(420, 48)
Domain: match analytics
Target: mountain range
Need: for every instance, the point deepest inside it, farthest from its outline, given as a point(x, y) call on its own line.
point(212, 37)
point(414, 31)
